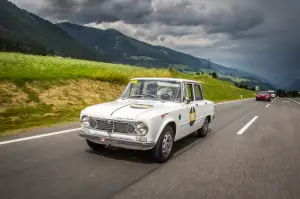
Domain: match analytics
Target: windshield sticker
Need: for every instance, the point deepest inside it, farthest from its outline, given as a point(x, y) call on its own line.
point(141, 106)
point(192, 116)
point(134, 81)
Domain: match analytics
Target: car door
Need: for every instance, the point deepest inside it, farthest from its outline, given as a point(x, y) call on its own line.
point(201, 106)
point(189, 113)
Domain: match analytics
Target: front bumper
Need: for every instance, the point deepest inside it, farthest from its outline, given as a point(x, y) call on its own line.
point(120, 142)
point(262, 98)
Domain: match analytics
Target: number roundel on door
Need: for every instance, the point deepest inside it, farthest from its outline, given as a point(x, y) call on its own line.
point(192, 116)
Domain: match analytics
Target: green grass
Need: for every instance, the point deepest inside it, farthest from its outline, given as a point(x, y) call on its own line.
point(16, 66)
point(38, 90)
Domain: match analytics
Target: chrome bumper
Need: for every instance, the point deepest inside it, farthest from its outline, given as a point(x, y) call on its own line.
point(118, 142)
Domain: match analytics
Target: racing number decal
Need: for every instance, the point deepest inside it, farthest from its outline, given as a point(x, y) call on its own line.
point(192, 116)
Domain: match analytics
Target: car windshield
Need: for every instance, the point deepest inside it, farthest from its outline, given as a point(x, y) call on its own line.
point(263, 92)
point(153, 90)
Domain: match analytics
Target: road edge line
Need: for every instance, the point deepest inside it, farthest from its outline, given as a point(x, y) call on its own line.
point(232, 101)
point(247, 126)
point(38, 136)
point(294, 101)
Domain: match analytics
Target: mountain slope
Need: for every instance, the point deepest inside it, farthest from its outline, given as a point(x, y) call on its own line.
point(23, 31)
point(295, 85)
point(123, 49)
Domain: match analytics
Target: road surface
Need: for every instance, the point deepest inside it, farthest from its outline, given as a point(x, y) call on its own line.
point(252, 151)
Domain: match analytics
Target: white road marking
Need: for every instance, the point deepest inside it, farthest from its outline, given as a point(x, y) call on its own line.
point(267, 105)
point(247, 126)
point(294, 101)
point(72, 130)
point(232, 101)
point(38, 136)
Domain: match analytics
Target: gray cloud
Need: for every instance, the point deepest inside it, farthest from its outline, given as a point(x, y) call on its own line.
point(87, 11)
point(151, 38)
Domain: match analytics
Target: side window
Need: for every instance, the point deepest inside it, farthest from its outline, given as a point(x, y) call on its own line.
point(198, 92)
point(189, 91)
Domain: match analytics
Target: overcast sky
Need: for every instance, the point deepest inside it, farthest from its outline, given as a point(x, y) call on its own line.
point(261, 36)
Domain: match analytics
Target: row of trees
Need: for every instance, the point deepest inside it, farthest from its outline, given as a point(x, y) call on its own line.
point(245, 86)
point(213, 74)
point(287, 93)
point(24, 47)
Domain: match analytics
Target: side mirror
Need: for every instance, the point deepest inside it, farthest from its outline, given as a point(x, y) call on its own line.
point(187, 100)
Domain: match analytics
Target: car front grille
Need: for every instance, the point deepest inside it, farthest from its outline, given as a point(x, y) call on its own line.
point(112, 126)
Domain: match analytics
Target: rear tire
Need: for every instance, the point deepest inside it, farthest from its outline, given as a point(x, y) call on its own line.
point(163, 149)
point(94, 145)
point(204, 130)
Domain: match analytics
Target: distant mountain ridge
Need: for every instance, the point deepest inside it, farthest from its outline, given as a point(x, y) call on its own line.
point(123, 49)
point(23, 31)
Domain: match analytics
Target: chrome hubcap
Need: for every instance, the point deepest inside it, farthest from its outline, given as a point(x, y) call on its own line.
point(167, 144)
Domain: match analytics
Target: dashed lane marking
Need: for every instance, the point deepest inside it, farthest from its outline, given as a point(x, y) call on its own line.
point(247, 126)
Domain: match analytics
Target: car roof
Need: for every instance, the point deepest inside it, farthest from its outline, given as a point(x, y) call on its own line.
point(165, 79)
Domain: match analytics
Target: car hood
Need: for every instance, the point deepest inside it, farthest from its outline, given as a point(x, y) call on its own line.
point(123, 109)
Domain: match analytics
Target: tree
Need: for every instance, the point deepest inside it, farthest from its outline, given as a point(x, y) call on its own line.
point(214, 75)
point(197, 73)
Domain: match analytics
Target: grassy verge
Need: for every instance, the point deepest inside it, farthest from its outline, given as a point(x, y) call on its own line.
point(36, 90)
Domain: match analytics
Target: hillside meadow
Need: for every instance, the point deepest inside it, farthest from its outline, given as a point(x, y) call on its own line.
point(40, 90)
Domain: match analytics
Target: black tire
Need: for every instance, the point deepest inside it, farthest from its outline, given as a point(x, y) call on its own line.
point(204, 130)
point(94, 145)
point(157, 152)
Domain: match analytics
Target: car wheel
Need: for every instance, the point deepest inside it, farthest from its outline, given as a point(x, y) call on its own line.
point(94, 145)
point(204, 130)
point(163, 149)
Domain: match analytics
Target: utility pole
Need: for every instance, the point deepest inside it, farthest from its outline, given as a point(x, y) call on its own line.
point(209, 67)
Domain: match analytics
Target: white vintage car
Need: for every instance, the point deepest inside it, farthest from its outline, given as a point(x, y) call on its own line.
point(151, 114)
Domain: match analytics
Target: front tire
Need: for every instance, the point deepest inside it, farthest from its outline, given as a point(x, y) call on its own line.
point(163, 149)
point(94, 145)
point(204, 130)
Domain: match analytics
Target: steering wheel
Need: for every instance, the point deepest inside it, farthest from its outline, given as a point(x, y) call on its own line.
point(165, 95)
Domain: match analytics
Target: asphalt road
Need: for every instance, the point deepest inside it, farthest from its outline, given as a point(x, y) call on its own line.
point(262, 161)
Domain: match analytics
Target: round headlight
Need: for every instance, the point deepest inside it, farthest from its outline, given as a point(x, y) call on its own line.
point(141, 128)
point(85, 122)
point(93, 123)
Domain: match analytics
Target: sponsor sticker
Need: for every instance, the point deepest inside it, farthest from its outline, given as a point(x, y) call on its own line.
point(192, 116)
point(134, 81)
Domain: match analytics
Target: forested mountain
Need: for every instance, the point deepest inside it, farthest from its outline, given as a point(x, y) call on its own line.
point(22, 31)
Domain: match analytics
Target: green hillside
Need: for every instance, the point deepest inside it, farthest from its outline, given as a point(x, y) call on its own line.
point(39, 90)
point(22, 31)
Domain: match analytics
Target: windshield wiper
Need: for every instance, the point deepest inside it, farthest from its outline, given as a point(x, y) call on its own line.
point(147, 95)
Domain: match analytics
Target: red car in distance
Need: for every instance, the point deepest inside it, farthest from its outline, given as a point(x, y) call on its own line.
point(263, 96)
